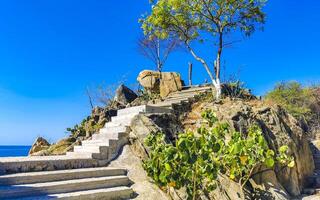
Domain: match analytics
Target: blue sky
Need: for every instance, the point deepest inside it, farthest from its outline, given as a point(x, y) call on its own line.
point(50, 51)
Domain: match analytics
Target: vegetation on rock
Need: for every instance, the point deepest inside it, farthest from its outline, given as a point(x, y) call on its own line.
point(301, 102)
point(197, 158)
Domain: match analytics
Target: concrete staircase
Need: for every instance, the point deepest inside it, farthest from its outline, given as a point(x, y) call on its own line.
point(105, 146)
point(81, 174)
point(185, 95)
point(89, 183)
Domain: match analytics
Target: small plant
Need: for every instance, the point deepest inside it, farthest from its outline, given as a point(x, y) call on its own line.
point(235, 89)
point(148, 95)
point(196, 159)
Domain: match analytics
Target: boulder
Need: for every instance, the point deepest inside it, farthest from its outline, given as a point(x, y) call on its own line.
point(124, 95)
point(162, 83)
point(39, 145)
point(170, 82)
point(150, 80)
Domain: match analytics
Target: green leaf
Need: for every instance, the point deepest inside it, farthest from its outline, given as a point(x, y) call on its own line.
point(283, 149)
point(269, 162)
point(291, 164)
point(168, 167)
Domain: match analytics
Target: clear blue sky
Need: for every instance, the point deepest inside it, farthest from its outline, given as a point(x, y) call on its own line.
point(51, 50)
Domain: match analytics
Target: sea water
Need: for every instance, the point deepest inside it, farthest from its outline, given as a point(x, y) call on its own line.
point(13, 151)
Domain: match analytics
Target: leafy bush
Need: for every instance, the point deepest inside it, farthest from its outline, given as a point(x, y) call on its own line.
point(293, 97)
point(236, 89)
point(196, 159)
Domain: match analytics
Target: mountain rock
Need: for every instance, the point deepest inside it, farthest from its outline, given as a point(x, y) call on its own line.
point(124, 95)
point(162, 83)
point(39, 145)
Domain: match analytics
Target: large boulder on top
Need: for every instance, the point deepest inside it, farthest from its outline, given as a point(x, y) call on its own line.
point(39, 145)
point(170, 82)
point(124, 95)
point(150, 80)
point(162, 83)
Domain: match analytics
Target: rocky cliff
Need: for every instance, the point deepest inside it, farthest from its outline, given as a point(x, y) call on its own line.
point(279, 128)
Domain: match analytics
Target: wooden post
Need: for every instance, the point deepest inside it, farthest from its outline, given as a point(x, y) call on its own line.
point(190, 73)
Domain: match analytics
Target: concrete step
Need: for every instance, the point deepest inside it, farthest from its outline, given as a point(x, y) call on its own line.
point(9, 165)
point(81, 155)
point(170, 103)
point(114, 128)
point(59, 175)
point(143, 109)
point(91, 149)
point(122, 192)
point(37, 189)
point(107, 136)
point(121, 118)
point(179, 98)
point(193, 89)
point(117, 123)
point(94, 142)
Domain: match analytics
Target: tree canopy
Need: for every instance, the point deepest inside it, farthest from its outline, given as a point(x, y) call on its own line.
point(202, 20)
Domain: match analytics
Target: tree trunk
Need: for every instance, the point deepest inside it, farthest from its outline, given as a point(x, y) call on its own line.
point(190, 73)
point(203, 62)
point(218, 66)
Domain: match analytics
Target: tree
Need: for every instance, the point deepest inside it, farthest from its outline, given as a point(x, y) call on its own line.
point(157, 50)
point(201, 21)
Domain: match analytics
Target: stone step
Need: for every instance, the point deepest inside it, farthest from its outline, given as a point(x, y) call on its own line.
point(95, 142)
point(91, 149)
point(114, 128)
point(59, 175)
point(117, 123)
point(170, 103)
point(106, 136)
point(143, 109)
point(36, 189)
point(88, 155)
point(193, 89)
point(10, 165)
point(191, 93)
point(179, 98)
point(121, 118)
point(122, 192)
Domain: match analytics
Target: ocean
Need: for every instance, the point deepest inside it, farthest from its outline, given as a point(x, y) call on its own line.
point(13, 151)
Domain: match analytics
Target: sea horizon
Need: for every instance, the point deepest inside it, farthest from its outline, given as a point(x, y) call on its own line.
point(14, 150)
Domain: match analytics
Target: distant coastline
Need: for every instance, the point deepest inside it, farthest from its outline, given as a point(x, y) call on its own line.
point(13, 151)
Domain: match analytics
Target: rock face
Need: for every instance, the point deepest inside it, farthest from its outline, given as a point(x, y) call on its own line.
point(39, 145)
point(150, 80)
point(124, 95)
point(170, 82)
point(163, 83)
point(279, 128)
point(143, 125)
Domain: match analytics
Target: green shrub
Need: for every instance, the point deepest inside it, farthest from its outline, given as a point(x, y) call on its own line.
point(196, 159)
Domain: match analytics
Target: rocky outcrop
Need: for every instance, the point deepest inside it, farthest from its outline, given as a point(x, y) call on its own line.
point(89, 126)
point(150, 80)
point(170, 82)
point(124, 95)
point(279, 128)
point(142, 125)
point(162, 83)
point(39, 145)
